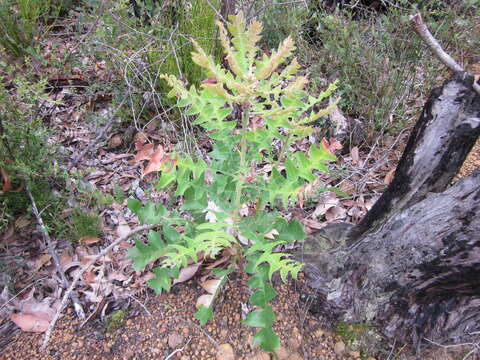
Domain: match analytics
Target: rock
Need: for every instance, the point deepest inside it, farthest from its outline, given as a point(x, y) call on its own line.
point(339, 348)
point(175, 340)
point(225, 352)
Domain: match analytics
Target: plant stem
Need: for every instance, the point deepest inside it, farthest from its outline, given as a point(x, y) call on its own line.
point(281, 154)
point(243, 153)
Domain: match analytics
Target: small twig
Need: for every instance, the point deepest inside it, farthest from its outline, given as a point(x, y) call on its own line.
point(79, 274)
point(476, 347)
point(143, 306)
point(98, 137)
point(54, 255)
point(178, 350)
point(21, 292)
point(422, 30)
point(94, 313)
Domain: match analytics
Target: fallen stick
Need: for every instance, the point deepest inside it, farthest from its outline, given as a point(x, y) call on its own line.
point(422, 30)
point(79, 274)
point(53, 254)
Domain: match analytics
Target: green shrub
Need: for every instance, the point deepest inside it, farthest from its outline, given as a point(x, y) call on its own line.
point(382, 65)
point(25, 155)
point(84, 224)
point(141, 50)
point(215, 198)
point(22, 21)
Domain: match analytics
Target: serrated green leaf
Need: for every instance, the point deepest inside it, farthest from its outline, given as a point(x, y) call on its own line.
point(204, 314)
point(151, 213)
point(134, 205)
point(143, 254)
point(293, 232)
point(263, 296)
point(163, 279)
point(171, 235)
point(155, 240)
point(166, 179)
point(267, 339)
point(222, 273)
point(263, 318)
point(183, 102)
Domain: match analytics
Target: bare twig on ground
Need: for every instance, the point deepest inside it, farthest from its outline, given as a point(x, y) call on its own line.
point(54, 255)
point(475, 347)
point(100, 135)
point(80, 272)
point(422, 30)
point(141, 304)
point(178, 350)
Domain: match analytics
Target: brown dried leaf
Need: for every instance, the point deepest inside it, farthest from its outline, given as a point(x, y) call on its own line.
point(155, 163)
point(220, 261)
point(327, 201)
point(89, 240)
point(205, 300)
point(6, 181)
point(144, 153)
point(117, 275)
point(187, 273)
point(336, 213)
point(389, 177)
point(271, 234)
point(312, 226)
point(40, 261)
point(30, 322)
point(211, 286)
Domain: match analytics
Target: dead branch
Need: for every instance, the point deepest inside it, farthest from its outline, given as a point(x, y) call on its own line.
point(422, 30)
point(79, 274)
point(54, 255)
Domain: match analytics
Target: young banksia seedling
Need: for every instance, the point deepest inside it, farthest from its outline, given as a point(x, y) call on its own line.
point(233, 196)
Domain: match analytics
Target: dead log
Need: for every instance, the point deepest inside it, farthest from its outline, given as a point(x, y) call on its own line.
point(411, 266)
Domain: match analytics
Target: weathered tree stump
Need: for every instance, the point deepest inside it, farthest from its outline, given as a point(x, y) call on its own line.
point(412, 266)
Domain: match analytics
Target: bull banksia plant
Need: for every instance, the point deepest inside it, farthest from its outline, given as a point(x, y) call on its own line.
point(226, 196)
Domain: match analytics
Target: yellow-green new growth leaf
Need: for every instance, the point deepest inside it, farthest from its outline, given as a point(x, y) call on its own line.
point(277, 57)
point(324, 112)
point(297, 85)
point(231, 58)
point(178, 87)
point(201, 58)
point(290, 69)
point(244, 40)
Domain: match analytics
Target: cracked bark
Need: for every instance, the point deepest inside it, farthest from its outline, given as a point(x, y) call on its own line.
point(411, 266)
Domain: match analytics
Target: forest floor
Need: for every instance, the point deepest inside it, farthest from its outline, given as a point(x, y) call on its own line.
point(163, 327)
